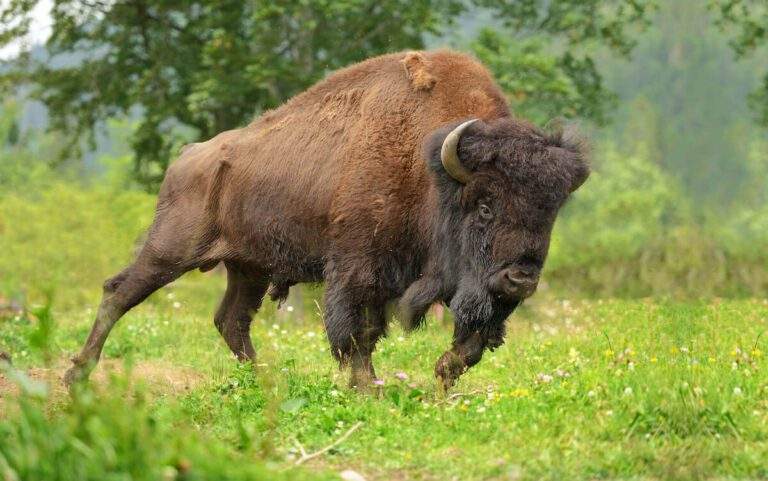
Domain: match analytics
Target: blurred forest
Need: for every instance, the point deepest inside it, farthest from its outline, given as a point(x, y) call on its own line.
point(670, 95)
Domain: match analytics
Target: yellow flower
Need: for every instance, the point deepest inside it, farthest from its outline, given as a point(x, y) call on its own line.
point(711, 359)
point(608, 353)
point(654, 359)
point(673, 350)
point(757, 353)
point(520, 392)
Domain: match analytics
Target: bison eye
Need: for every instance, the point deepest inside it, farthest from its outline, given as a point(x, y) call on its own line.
point(485, 212)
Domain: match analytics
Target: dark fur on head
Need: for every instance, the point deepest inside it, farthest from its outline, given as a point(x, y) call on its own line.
point(525, 174)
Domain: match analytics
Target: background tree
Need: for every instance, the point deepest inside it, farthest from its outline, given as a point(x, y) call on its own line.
point(188, 70)
point(683, 100)
point(749, 18)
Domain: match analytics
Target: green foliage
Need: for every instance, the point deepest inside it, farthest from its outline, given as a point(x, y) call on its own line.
point(115, 434)
point(624, 205)
point(629, 232)
point(749, 18)
point(69, 235)
point(683, 96)
point(194, 69)
point(540, 85)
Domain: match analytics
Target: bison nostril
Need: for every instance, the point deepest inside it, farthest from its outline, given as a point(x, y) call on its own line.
point(513, 282)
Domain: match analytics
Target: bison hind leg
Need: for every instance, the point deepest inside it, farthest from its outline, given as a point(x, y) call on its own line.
point(121, 293)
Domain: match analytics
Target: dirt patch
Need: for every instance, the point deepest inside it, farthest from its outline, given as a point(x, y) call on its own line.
point(159, 376)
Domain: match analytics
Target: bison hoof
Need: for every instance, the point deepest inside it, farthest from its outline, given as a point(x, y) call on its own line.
point(75, 375)
point(448, 369)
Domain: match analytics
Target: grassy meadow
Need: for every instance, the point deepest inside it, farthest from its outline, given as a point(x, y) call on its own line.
point(584, 388)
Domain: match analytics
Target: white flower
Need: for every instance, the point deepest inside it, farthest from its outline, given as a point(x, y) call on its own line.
point(737, 391)
point(176, 304)
point(545, 378)
point(591, 394)
point(627, 391)
point(289, 308)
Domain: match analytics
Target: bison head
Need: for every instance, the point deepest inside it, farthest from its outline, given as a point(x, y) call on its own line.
point(501, 184)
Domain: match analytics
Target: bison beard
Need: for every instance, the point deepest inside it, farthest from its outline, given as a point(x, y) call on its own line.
point(402, 177)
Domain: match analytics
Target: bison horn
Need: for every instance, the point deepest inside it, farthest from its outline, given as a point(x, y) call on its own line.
point(449, 154)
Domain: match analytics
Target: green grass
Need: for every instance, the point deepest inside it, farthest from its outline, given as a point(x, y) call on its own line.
point(581, 390)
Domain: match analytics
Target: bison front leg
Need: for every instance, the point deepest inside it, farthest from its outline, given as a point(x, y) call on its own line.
point(464, 353)
point(353, 332)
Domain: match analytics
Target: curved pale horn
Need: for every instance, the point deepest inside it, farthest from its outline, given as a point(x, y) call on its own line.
point(450, 157)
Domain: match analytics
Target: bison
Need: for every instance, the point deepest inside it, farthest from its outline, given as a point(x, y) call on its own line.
point(403, 178)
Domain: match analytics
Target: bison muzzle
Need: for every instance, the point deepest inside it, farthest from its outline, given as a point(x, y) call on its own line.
point(403, 179)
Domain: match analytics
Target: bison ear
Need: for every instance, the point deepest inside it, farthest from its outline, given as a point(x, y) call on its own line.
point(417, 71)
point(580, 174)
point(574, 150)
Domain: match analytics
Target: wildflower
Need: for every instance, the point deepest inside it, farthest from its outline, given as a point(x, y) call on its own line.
point(519, 392)
point(378, 382)
point(631, 366)
point(401, 376)
point(334, 393)
point(757, 353)
point(591, 394)
point(289, 308)
point(673, 350)
point(737, 391)
point(698, 391)
point(544, 378)
point(627, 391)
point(481, 409)
point(711, 359)
point(654, 359)
point(608, 353)
point(684, 350)
point(176, 304)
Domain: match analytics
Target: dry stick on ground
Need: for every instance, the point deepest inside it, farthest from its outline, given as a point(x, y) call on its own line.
point(458, 395)
point(307, 456)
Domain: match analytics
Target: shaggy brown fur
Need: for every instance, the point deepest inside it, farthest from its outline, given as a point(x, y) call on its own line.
point(335, 185)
